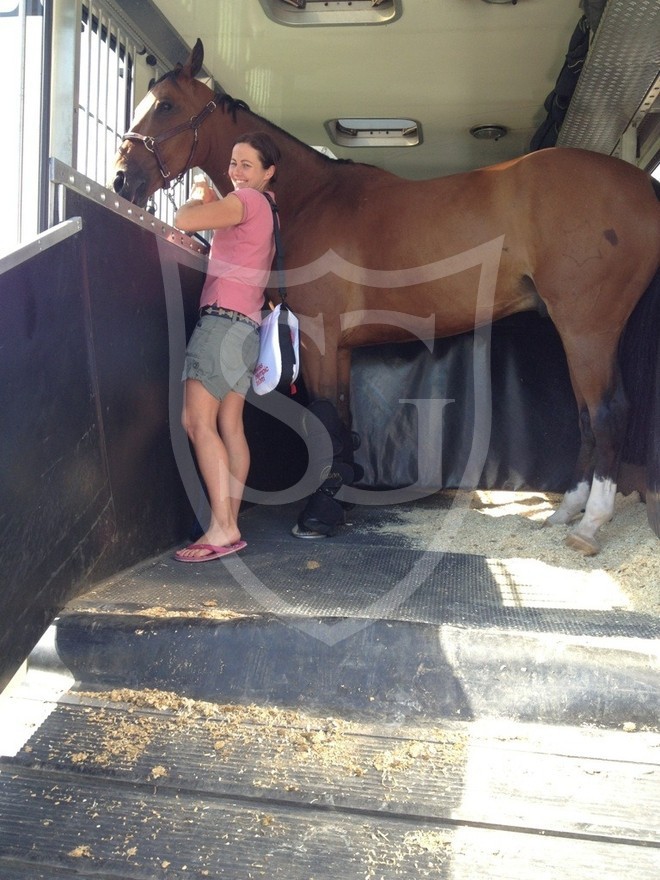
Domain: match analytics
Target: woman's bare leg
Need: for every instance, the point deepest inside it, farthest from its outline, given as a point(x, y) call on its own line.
point(202, 417)
point(231, 430)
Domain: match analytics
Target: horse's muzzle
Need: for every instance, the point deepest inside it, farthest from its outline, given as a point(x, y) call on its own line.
point(119, 182)
point(134, 189)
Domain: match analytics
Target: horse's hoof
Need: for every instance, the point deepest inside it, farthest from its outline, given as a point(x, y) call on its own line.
point(583, 544)
point(299, 532)
point(560, 517)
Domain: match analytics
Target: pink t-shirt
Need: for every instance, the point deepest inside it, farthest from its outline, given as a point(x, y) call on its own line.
point(241, 258)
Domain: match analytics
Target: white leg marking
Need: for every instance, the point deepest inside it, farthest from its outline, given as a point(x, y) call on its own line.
point(599, 510)
point(600, 506)
point(572, 503)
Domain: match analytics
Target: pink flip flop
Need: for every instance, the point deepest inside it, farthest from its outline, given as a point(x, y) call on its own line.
point(214, 551)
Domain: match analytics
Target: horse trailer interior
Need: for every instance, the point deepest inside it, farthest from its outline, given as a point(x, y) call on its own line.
point(440, 684)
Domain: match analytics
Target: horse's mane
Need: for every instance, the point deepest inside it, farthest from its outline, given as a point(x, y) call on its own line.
point(233, 105)
point(170, 74)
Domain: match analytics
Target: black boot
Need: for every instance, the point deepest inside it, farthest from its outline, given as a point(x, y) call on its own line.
point(323, 514)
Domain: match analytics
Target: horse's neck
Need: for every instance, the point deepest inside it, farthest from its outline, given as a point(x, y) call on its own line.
point(300, 172)
point(215, 163)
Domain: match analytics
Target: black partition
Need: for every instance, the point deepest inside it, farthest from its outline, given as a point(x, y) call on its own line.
point(519, 395)
point(123, 272)
point(89, 483)
point(58, 516)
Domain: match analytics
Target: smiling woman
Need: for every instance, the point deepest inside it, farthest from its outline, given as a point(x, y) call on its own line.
point(222, 353)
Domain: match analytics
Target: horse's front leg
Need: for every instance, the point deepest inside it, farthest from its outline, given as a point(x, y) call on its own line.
point(327, 380)
point(327, 374)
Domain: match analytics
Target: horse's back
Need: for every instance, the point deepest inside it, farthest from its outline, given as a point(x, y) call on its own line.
point(591, 219)
point(575, 227)
point(595, 185)
point(534, 198)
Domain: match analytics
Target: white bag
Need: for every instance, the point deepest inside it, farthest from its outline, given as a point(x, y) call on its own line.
point(279, 348)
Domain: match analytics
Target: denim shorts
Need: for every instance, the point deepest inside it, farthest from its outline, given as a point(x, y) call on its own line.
point(222, 355)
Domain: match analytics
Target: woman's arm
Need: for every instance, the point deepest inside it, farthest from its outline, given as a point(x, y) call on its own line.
point(206, 211)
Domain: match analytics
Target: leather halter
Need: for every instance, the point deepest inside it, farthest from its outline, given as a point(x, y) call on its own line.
point(153, 143)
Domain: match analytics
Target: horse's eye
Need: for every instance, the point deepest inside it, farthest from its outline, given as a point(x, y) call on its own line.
point(163, 106)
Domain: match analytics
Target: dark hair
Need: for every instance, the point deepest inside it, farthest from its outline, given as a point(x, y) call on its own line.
point(268, 151)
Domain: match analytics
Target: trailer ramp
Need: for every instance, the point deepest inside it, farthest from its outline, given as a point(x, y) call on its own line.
point(355, 708)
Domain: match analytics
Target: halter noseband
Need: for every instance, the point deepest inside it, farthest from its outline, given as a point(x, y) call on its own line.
point(153, 143)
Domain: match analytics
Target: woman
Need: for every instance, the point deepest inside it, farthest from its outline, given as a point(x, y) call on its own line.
point(224, 347)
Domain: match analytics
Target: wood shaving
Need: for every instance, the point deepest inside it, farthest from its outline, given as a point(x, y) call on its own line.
point(510, 526)
point(208, 611)
point(290, 742)
point(81, 852)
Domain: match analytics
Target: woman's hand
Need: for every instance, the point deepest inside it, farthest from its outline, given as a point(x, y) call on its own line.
point(203, 193)
point(204, 210)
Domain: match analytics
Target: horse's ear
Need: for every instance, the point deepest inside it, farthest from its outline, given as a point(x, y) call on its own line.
point(196, 58)
point(194, 62)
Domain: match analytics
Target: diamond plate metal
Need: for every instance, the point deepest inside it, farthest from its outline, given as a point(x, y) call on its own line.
point(621, 71)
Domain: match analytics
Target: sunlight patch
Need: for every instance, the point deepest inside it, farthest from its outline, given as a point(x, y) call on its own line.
point(532, 505)
point(530, 583)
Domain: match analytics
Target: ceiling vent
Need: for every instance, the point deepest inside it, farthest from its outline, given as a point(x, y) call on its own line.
point(374, 132)
point(332, 12)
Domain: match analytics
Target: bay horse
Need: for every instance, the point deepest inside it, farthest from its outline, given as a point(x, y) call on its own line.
point(572, 233)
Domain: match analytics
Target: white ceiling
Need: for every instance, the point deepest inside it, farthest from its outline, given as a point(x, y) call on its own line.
point(449, 64)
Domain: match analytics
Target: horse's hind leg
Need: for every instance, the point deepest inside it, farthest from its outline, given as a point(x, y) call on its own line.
point(575, 498)
point(608, 421)
point(598, 380)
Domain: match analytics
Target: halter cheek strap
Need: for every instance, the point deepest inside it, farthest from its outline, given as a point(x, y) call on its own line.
point(153, 144)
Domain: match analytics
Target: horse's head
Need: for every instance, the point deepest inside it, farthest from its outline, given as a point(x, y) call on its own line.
point(161, 143)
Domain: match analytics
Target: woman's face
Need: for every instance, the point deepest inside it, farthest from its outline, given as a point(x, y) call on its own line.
point(246, 170)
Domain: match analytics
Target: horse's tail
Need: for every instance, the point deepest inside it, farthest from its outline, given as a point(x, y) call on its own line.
point(653, 465)
point(639, 358)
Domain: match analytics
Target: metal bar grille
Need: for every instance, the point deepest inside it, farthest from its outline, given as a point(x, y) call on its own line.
point(111, 53)
point(108, 54)
point(22, 44)
point(21, 128)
